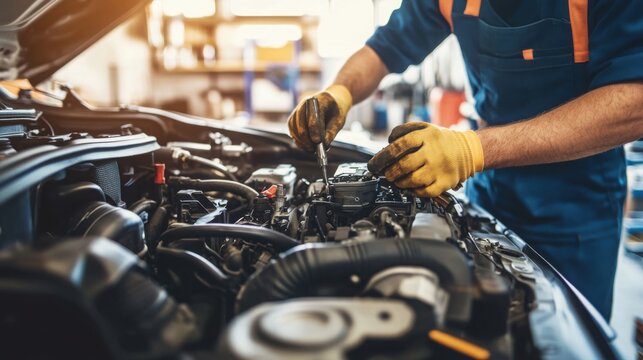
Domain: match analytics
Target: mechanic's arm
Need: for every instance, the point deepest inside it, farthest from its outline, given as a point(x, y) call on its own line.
point(356, 80)
point(362, 73)
point(595, 122)
point(413, 31)
point(431, 159)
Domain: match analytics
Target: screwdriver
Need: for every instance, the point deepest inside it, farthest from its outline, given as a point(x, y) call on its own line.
point(313, 109)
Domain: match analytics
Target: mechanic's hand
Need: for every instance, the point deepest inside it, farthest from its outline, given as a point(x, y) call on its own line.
point(428, 158)
point(334, 104)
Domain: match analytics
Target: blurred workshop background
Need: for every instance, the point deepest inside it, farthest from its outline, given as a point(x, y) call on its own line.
point(248, 62)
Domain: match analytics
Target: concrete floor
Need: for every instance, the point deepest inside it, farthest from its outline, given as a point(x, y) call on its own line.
point(628, 301)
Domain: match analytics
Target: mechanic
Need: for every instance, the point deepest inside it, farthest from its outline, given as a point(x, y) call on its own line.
point(558, 87)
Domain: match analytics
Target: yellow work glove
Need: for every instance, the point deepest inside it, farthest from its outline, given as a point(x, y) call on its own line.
point(334, 103)
point(428, 159)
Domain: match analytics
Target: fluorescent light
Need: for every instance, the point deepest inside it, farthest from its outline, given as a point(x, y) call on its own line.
point(189, 8)
point(268, 8)
point(345, 27)
point(269, 35)
point(172, 8)
point(156, 9)
point(198, 8)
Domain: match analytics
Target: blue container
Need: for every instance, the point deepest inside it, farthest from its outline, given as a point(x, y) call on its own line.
point(633, 222)
point(633, 225)
point(636, 188)
point(634, 153)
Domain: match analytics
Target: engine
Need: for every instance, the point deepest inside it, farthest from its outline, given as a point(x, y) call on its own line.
point(202, 250)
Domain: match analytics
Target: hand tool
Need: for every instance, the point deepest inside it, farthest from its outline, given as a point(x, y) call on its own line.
point(313, 110)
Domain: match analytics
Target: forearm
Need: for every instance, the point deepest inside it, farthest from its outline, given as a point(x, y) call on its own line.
point(362, 73)
point(593, 123)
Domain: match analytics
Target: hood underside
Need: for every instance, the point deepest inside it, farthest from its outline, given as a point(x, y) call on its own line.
point(38, 37)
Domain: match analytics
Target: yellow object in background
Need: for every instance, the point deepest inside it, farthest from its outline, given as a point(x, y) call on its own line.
point(282, 54)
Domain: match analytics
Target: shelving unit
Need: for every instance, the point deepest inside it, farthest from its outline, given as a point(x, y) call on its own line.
point(246, 63)
point(216, 20)
point(235, 68)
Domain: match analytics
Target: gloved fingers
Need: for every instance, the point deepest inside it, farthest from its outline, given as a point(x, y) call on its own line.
point(420, 178)
point(315, 130)
point(304, 146)
point(404, 129)
point(431, 191)
point(392, 153)
point(328, 112)
point(331, 113)
point(406, 165)
point(332, 128)
point(298, 129)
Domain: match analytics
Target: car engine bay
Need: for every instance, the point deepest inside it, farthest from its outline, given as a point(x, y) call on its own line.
point(114, 246)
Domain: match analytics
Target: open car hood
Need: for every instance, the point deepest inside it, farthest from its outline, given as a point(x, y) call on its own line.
point(38, 37)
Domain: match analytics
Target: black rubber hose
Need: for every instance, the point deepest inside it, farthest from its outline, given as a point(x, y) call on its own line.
point(307, 267)
point(202, 173)
point(143, 205)
point(157, 224)
point(249, 233)
point(179, 156)
point(197, 160)
point(215, 185)
point(194, 261)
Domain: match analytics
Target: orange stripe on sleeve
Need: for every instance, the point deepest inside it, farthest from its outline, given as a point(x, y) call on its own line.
point(473, 8)
point(528, 54)
point(580, 32)
point(446, 8)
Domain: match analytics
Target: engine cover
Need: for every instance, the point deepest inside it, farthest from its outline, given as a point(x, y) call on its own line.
point(329, 328)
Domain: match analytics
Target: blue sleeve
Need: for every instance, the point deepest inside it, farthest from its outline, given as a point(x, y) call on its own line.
point(615, 42)
point(412, 32)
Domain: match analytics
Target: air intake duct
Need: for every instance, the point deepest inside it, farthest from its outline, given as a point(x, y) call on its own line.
point(304, 268)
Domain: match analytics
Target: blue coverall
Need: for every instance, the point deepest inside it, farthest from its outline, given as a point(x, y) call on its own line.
point(521, 62)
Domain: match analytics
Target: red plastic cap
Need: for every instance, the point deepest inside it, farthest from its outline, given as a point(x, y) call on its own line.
point(270, 192)
point(159, 176)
